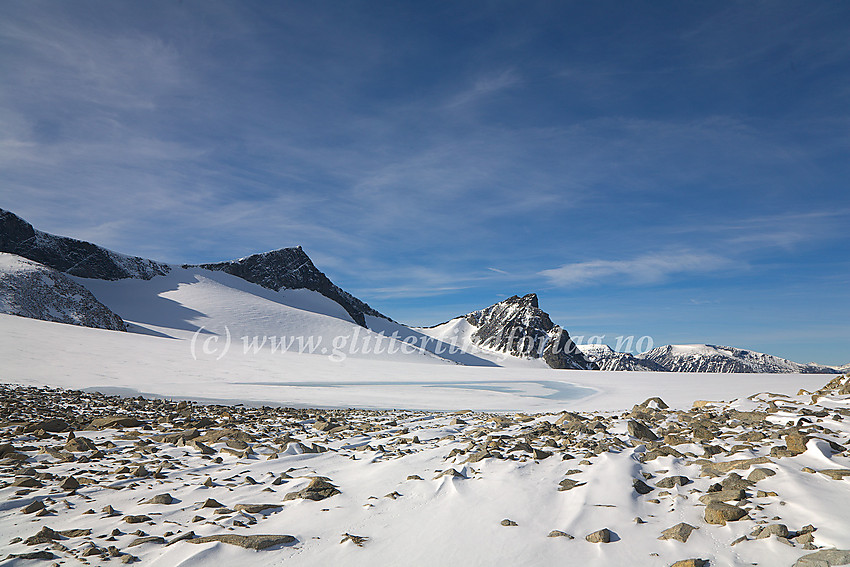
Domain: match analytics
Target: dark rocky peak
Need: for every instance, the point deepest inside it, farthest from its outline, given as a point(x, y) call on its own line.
point(74, 257)
point(520, 328)
point(291, 268)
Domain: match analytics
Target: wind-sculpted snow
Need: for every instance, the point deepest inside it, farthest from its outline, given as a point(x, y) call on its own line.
point(74, 257)
point(28, 289)
point(291, 268)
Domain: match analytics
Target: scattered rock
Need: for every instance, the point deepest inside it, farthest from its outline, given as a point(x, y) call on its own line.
point(569, 484)
point(723, 496)
point(671, 481)
point(318, 489)
point(45, 535)
point(796, 443)
point(34, 506)
point(31, 555)
point(255, 508)
point(70, 483)
point(164, 498)
point(116, 421)
point(824, 558)
point(559, 533)
point(760, 474)
point(691, 563)
point(763, 532)
point(680, 532)
point(148, 539)
point(720, 513)
point(247, 541)
point(599, 536)
point(507, 522)
point(355, 539)
point(640, 431)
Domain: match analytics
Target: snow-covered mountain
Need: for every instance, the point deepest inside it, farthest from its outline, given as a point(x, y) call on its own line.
point(608, 359)
point(29, 289)
point(711, 358)
point(291, 268)
point(287, 268)
point(516, 327)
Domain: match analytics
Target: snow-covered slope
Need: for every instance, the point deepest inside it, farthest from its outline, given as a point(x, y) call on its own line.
point(291, 268)
point(519, 328)
point(198, 303)
point(29, 289)
point(711, 358)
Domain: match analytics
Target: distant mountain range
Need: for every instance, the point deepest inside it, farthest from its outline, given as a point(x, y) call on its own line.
point(702, 358)
point(34, 282)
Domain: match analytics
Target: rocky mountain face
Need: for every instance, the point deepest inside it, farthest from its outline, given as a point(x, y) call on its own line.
point(291, 268)
point(608, 359)
point(74, 257)
point(517, 326)
point(30, 289)
point(711, 358)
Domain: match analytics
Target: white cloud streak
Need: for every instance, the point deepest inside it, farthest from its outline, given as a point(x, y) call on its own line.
point(646, 269)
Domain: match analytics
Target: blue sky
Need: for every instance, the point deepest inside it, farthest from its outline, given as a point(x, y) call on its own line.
point(671, 169)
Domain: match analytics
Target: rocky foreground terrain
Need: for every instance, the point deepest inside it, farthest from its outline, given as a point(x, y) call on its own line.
point(88, 478)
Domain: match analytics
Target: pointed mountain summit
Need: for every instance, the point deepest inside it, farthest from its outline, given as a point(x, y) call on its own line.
point(291, 268)
point(517, 326)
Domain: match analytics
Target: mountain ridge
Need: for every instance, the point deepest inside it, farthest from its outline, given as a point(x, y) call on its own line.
point(292, 268)
point(289, 268)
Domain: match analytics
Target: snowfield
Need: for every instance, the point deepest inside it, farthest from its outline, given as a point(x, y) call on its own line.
point(44, 353)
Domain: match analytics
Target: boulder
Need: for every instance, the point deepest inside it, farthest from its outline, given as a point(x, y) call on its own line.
point(679, 532)
point(640, 431)
point(824, 558)
point(114, 421)
point(671, 481)
point(600, 536)
point(720, 513)
point(247, 541)
point(318, 489)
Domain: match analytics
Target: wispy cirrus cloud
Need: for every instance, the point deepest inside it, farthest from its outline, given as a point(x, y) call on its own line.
point(485, 86)
point(645, 269)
